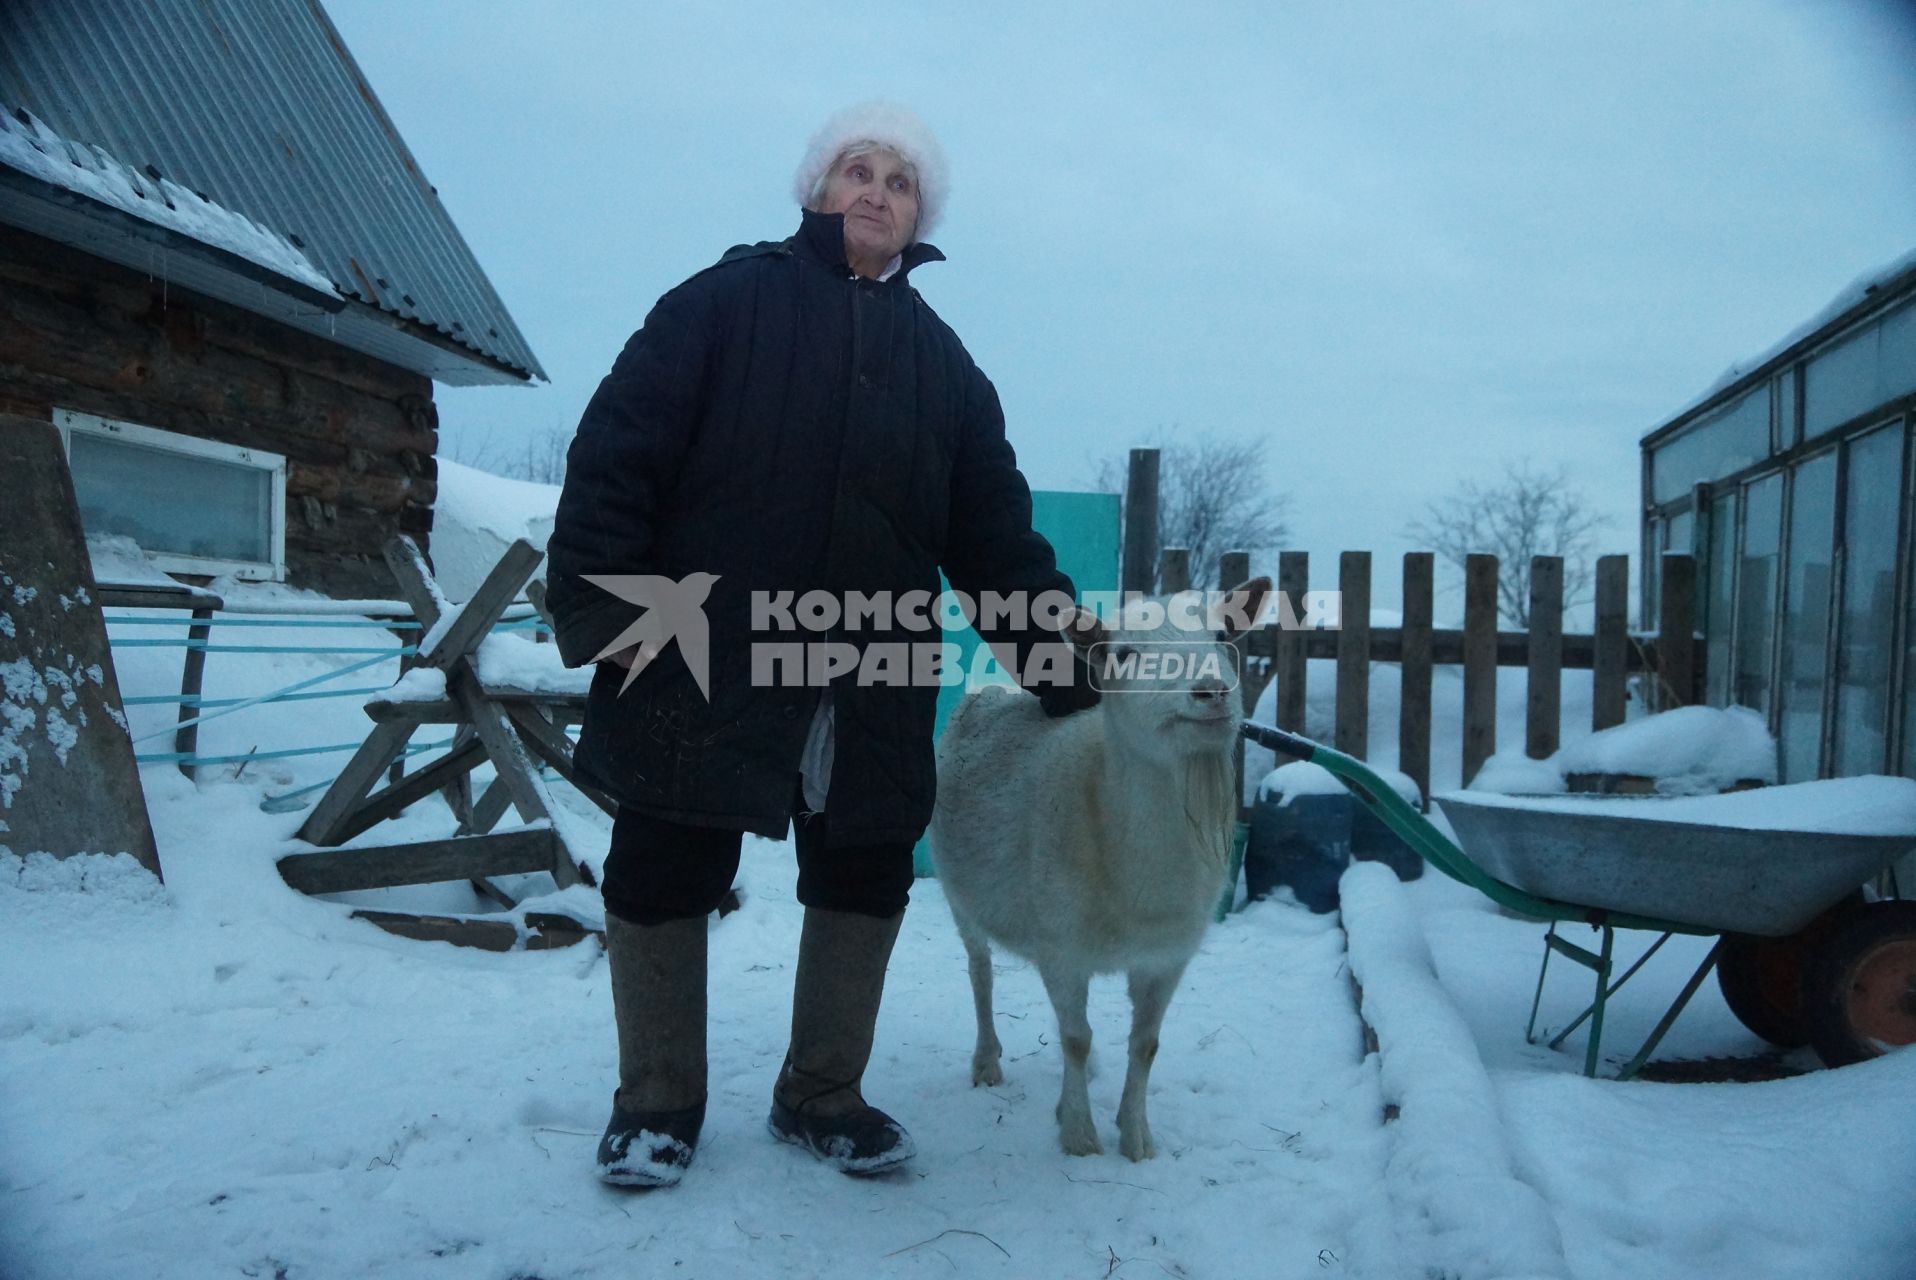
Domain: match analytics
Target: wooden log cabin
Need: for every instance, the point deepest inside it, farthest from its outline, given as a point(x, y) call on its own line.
point(227, 282)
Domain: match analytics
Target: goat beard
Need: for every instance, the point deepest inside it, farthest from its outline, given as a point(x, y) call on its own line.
point(1210, 806)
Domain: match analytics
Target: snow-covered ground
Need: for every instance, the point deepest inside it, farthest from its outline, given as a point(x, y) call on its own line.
point(224, 1077)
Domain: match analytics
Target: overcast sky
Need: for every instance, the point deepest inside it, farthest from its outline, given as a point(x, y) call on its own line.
point(1404, 242)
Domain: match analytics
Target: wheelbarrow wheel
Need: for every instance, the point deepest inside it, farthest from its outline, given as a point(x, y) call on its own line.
point(1762, 978)
point(1762, 982)
point(1860, 985)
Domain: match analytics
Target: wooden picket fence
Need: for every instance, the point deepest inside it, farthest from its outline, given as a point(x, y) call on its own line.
point(1672, 658)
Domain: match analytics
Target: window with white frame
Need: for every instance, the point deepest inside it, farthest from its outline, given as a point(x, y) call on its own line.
point(193, 505)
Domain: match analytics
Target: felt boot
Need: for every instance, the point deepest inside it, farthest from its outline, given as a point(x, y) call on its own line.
point(658, 1001)
point(816, 1103)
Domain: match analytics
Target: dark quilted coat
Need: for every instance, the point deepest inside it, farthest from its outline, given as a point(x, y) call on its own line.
point(786, 425)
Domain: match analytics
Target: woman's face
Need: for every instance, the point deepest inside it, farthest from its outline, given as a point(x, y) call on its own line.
point(878, 194)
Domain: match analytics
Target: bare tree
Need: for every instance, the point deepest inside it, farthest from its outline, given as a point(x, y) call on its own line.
point(1213, 497)
point(539, 456)
point(1528, 512)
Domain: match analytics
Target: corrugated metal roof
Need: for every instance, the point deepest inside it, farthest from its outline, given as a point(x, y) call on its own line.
point(258, 106)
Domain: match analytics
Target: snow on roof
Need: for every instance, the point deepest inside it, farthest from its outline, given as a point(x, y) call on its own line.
point(34, 149)
point(1851, 295)
point(259, 105)
point(476, 516)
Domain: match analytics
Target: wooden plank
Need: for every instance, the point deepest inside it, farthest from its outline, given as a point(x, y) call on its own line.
point(566, 706)
point(1447, 648)
point(1611, 650)
point(1676, 641)
point(410, 711)
point(505, 853)
point(113, 596)
point(545, 931)
point(1413, 708)
point(1174, 570)
point(549, 931)
point(1480, 662)
point(493, 891)
point(1293, 583)
point(414, 579)
point(1138, 563)
point(516, 770)
point(490, 807)
point(491, 598)
point(548, 742)
point(536, 593)
point(1543, 704)
point(507, 753)
point(1353, 654)
point(1233, 569)
point(331, 816)
point(460, 931)
point(391, 800)
point(186, 739)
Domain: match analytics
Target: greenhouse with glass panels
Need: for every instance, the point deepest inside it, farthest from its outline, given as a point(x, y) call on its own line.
point(1790, 482)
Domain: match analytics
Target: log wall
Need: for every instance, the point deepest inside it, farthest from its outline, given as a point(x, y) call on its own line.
point(359, 435)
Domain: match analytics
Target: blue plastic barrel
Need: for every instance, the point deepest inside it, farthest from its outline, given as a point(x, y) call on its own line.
point(1302, 843)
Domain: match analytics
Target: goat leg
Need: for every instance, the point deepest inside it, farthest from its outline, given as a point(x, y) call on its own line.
point(985, 1068)
point(1151, 992)
point(1069, 992)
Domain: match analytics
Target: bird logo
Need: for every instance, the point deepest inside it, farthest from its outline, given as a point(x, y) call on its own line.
point(674, 610)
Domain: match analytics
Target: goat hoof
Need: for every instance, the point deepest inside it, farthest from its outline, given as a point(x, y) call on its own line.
point(1080, 1141)
point(987, 1072)
point(1136, 1144)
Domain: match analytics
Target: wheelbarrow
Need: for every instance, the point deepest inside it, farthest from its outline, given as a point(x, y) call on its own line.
point(1800, 956)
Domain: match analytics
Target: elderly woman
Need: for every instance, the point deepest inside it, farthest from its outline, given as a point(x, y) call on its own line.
point(794, 418)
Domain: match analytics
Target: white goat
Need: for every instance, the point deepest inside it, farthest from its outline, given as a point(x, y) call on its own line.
point(1099, 841)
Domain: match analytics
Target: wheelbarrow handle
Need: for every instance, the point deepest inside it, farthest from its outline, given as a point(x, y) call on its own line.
point(1280, 741)
point(1438, 849)
point(1381, 799)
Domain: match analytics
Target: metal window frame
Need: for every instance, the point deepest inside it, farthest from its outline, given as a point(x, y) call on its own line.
point(69, 421)
point(1902, 751)
point(1832, 449)
point(1707, 496)
point(1899, 598)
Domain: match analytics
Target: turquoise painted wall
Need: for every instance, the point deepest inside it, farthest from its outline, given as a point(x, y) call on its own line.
point(1083, 529)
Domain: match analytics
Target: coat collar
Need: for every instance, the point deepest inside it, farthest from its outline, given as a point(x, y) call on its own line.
point(821, 237)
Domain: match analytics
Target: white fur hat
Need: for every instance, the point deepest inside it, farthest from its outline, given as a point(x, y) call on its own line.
point(891, 126)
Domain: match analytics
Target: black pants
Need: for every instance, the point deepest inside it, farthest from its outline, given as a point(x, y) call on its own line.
point(658, 871)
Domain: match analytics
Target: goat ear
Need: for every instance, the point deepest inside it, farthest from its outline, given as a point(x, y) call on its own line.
point(1237, 613)
point(1082, 628)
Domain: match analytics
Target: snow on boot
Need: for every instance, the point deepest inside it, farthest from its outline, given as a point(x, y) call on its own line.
point(658, 1002)
point(816, 1103)
point(648, 1148)
point(858, 1140)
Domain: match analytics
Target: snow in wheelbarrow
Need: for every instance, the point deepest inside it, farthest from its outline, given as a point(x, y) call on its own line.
point(1762, 862)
